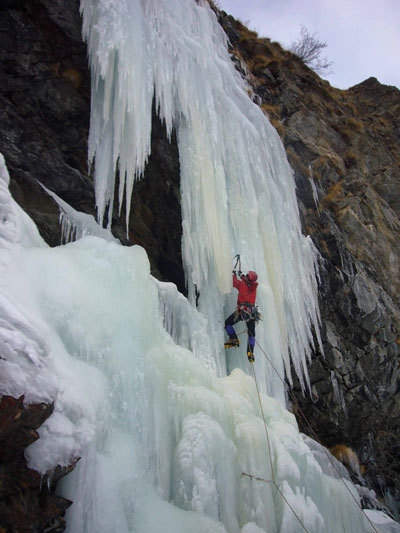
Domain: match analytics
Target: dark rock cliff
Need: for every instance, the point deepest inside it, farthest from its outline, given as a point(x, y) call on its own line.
point(344, 149)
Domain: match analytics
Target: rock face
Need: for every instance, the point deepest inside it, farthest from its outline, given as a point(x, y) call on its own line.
point(344, 149)
point(27, 502)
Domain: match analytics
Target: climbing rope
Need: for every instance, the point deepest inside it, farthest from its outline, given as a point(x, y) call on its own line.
point(312, 431)
point(270, 456)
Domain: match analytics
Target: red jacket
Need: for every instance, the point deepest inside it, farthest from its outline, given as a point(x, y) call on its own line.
point(247, 293)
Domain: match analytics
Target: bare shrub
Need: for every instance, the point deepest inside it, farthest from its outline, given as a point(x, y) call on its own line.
point(309, 49)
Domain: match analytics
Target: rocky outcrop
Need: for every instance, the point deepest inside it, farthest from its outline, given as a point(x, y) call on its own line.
point(44, 107)
point(344, 149)
point(28, 502)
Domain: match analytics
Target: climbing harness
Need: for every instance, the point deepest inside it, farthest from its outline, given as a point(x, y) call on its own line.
point(249, 312)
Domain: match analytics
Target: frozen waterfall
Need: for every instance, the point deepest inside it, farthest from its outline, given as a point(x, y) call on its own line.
point(166, 446)
point(172, 438)
point(237, 188)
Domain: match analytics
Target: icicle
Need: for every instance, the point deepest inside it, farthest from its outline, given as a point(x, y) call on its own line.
point(313, 188)
point(338, 395)
point(74, 224)
point(237, 189)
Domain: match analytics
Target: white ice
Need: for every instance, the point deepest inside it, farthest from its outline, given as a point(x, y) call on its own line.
point(165, 444)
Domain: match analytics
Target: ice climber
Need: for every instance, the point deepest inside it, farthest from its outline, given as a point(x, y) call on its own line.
point(246, 310)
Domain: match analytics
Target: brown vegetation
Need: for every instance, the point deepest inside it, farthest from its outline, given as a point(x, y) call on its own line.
point(334, 194)
point(347, 456)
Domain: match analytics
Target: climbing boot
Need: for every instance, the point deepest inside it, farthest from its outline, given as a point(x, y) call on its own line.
point(250, 349)
point(232, 343)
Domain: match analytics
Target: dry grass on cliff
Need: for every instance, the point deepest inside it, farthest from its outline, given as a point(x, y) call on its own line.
point(259, 63)
point(333, 196)
point(296, 162)
point(273, 114)
point(351, 158)
point(326, 164)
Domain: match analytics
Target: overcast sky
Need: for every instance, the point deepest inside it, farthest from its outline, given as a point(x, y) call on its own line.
point(362, 36)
